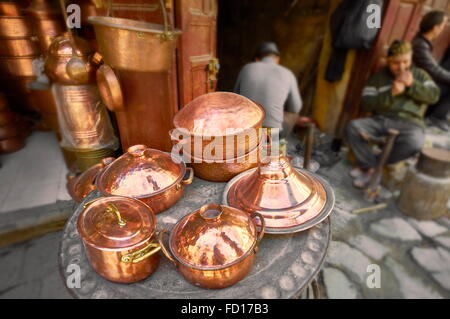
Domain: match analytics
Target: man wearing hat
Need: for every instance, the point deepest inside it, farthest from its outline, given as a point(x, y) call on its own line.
point(398, 96)
point(273, 86)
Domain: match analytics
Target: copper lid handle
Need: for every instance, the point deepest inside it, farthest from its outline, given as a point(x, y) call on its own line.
point(211, 212)
point(137, 150)
point(111, 208)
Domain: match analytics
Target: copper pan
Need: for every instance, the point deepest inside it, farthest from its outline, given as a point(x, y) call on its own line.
point(12, 145)
point(17, 66)
point(118, 234)
point(19, 47)
point(79, 187)
point(214, 247)
point(149, 175)
point(14, 27)
point(9, 8)
point(232, 120)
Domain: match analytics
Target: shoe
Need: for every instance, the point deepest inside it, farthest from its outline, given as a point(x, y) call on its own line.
point(441, 124)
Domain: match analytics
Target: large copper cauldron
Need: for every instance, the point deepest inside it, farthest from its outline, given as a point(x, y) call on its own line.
point(232, 120)
point(146, 174)
point(118, 235)
point(136, 45)
point(214, 247)
point(290, 199)
point(80, 186)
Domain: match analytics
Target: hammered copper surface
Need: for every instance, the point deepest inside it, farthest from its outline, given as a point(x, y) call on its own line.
point(134, 45)
point(286, 197)
point(61, 52)
point(214, 247)
point(112, 227)
point(228, 117)
point(148, 174)
point(14, 27)
point(85, 183)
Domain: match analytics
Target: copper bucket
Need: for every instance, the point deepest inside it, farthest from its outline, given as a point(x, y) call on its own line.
point(136, 45)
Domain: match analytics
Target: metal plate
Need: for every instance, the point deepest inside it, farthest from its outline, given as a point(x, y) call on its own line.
point(284, 264)
point(328, 208)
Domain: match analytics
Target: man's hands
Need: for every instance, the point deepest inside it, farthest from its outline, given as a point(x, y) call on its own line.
point(401, 82)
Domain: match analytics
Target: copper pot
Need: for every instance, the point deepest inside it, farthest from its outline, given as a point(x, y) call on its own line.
point(17, 66)
point(146, 174)
point(9, 8)
point(19, 47)
point(61, 52)
point(12, 145)
point(118, 235)
point(214, 247)
point(80, 186)
point(226, 117)
point(14, 27)
point(223, 170)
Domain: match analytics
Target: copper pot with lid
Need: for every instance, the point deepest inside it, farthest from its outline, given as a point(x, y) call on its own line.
point(229, 120)
point(147, 174)
point(290, 199)
point(80, 186)
point(214, 246)
point(118, 235)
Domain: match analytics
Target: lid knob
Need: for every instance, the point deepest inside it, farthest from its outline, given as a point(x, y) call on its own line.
point(211, 212)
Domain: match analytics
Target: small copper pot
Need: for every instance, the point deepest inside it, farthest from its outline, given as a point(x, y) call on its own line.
point(146, 174)
point(19, 47)
point(118, 234)
point(214, 247)
point(14, 27)
point(80, 186)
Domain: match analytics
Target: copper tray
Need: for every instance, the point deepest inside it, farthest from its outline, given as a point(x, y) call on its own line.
point(327, 209)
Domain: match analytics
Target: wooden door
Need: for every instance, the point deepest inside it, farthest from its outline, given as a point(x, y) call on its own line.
point(196, 58)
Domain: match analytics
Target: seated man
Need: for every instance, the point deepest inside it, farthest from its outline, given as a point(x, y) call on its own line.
point(431, 26)
point(275, 87)
point(398, 95)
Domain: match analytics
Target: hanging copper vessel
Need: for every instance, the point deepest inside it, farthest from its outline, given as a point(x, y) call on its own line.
point(231, 119)
point(290, 199)
point(146, 174)
point(61, 52)
point(214, 246)
point(80, 186)
point(47, 21)
point(118, 234)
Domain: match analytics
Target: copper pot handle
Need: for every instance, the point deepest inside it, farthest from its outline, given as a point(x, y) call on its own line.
point(141, 254)
point(190, 178)
point(263, 228)
point(163, 248)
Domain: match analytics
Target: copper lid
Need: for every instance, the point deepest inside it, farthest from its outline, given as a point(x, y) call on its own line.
point(212, 237)
point(285, 196)
point(213, 113)
point(61, 46)
point(113, 223)
point(85, 183)
point(140, 172)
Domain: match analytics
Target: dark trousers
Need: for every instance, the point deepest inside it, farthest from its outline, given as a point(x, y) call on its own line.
point(407, 143)
point(441, 108)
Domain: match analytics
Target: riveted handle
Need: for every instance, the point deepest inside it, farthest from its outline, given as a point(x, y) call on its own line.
point(141, 254)
point(163, 248)
point(111, 208)
point(261, 231)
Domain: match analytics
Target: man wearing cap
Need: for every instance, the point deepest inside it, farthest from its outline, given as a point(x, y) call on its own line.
point(273, 86)
point(398, 96)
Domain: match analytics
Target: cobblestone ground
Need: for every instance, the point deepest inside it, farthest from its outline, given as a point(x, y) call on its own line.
point(413, 257)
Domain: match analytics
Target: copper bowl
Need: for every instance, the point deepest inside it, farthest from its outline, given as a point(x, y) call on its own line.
point(80, 186)
point(214, 247)
point(155, 177)
point(19, 47)
point(14, 27)
point(228, 120)
point(12, 145)
point(118, 234)
point(17, 66)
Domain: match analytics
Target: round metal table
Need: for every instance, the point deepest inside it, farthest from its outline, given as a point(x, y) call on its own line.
point(285, 264)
